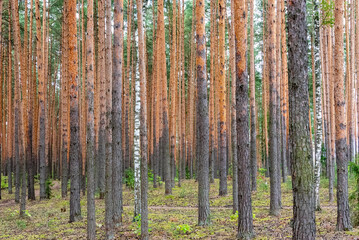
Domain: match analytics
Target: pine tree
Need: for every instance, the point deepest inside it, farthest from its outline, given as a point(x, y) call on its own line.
point(343, 220)
point(75, 207)
point(245, 217)
point(222, 101)
point(202, 118)
point(117, 161)
point(301, 151)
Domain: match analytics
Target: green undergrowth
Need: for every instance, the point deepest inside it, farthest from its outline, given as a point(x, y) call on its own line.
point(171, 217)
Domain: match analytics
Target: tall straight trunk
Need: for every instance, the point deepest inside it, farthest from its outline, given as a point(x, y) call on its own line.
point(245, 216)
point(317, 96)
point(265, 88)
point(109, 169)
point(101, 156)
point(133, 95)
point(2, 86)
point(211, 93)
point(19, 130)
point(9, 135)
point(83, 92)
point(173, 89)
point(32, 89)
point(222, 101)
point(31, 114)
point(278, 93)
point(143, 123)
point(347, 78)
point(343, 220)
point(352, 86)
point(90, 138)
point(127, 89)
point(273, 133)
point(24, 85)
point(164, 109)
point(301, 150)
point(202, 118)
point(332, 114)
point(233, 112)
point(117, 161)
point(64, 110)
point(183, 93)
point(75, 207)
point(357, 64)
point(252, 87)
point(41, 90)
point(326, 105)
point(46, 82)
point(284, 94)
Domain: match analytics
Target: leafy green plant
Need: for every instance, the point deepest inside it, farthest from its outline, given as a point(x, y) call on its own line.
point(182, 193)
point(354, 195)
point(4, 183)
point(234, 216)
point(48, 188)
point(21, 224)
point(26, 213)
point(183, 229)
point(328, 12)
point(262, 172)
point(130, 178)
point(150, 175)
point(137, 221)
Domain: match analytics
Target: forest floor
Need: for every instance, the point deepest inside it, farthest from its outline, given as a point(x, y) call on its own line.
point(171, 217)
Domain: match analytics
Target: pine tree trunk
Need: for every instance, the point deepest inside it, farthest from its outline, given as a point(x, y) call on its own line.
point(273, 133)
point(101, 156)
point(253, 148)
point(245, 216)
point(343, 220)
point(301, 151)
point(233, 115)
point(41, 92)
point(117, 161)
point(64, 112)
point(164, 108)
point(284, 94)
point(222, 101)
point(202, 118)
point(127, 89)
point(109, 167)
point(173, 90)
point(75, 207)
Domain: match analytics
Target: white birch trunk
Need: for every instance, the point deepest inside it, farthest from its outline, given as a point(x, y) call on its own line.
point(136, 146)
point(318, 135)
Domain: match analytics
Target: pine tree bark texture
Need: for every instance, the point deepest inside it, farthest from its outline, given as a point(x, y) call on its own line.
point(117, 161)
point(110, 234)
point(202, 117)
point(245, 216)
point(233, 110)
point(90, 151)
point(75, 207)
point(101, 156)
point(143, 123)
point(222, 101)
point(273, 133)
point(252, 86)
point(41, 92)
point(343, 217)
point(299, 131)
